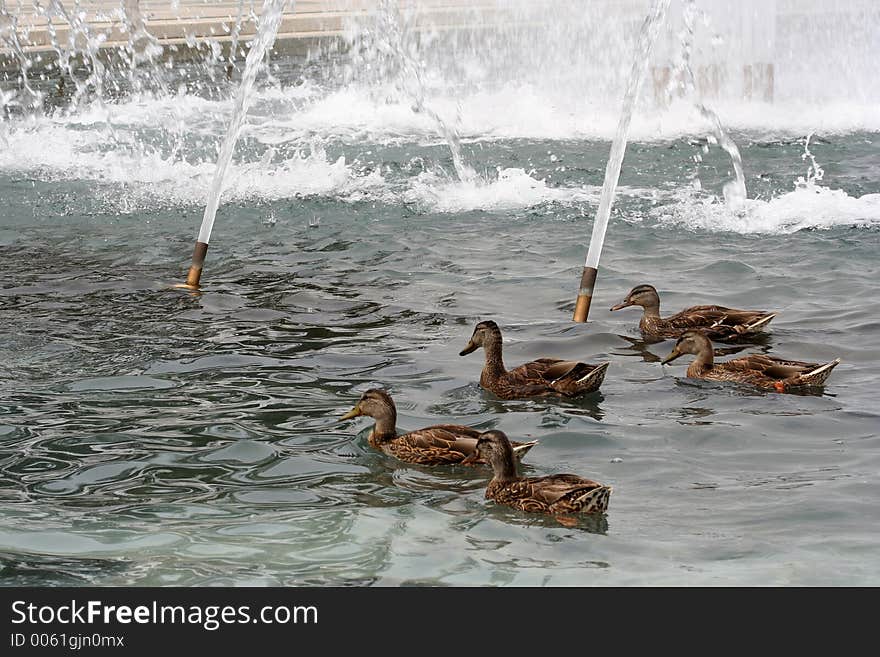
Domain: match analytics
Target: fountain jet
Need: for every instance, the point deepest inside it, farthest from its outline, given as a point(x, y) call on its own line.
point(270, 19)
point(644, 45)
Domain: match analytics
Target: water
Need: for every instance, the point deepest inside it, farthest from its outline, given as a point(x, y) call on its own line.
point(394, 38)
point(151, 436)
point(735, 190)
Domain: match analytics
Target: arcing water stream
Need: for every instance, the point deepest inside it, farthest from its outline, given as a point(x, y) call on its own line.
point(734, 191)
point(270, 18)
point(392, 43)
point(645, 44)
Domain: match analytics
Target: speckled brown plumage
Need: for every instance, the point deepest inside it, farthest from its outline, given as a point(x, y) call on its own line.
point(719, 323)
point(559, 494)
point(537, 378)
point(441, 444)
point(762, 371)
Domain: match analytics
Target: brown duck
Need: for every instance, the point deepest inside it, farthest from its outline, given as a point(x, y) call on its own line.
point(765, 372)
point(719, 323)
point(559, 494)
point(441, 444)
point(545, 376)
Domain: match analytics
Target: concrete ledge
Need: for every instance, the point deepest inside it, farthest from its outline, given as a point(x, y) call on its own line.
point(198, 21)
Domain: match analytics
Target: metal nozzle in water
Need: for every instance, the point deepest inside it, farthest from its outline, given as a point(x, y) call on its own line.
point(195, 270)
point(585, 294)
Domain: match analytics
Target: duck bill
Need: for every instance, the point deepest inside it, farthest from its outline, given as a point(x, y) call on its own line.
point(470, 459)
point(470, 348)
point(671, 357)
point(352, 413)
point(621, 305)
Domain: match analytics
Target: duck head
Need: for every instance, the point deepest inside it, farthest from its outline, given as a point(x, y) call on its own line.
point(374, 403)
point(484, 333)
point(641, 295)
point(494, 448)
point(690, 342)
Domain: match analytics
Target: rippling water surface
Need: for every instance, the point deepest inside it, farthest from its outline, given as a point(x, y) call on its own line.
point(151, 436)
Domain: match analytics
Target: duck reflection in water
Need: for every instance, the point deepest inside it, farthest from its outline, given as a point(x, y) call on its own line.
point(642, 348)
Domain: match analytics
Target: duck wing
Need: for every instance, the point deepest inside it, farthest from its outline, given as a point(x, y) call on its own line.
point(445, 443)
point(775, 368)
point(441, 444)
point(553, 375)
point(719, 322)
point(542, 370)
point(553, 488)
point(781, 372)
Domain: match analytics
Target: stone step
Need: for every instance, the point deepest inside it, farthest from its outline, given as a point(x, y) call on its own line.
point(196, 21)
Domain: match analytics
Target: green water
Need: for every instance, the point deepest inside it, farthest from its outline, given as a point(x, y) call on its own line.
point(150, 436)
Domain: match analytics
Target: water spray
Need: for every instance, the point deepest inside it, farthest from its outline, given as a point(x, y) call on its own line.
point(735, 190)
point(395, 36)
point(270, 19)
point(233, 45)
point(644, 45)
point(815, 173)
point(26, 97)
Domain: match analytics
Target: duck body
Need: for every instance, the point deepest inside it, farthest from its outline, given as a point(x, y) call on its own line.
point(718, 322)
point(441, 444)
point(559, 494)
point(759, 370)
point(537, 378)
point(446, 444)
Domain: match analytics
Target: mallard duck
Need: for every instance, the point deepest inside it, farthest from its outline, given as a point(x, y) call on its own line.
point(545, 376)
point(441, 444)
point(719, 323)
point(558, 494)
point(765, 372)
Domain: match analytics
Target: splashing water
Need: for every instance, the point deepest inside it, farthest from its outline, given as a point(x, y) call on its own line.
point(647, 37)
point(815, 173)
point(395, 37)
point(26, 97)
point(270, 19)
point(143, 47)
point(735, 190)
point(80, 32)
point(523, 74)
point(235, 35)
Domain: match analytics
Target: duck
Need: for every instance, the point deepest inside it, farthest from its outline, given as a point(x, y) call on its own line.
point(441, 444)
point(537, 378)
point(719, 323)
point(559, 494)
point(762, 371)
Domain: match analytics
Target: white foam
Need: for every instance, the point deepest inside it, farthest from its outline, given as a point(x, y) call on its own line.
point(143, 178)
point(808, 206)
point(307, 173)
point(298, 114)
point(523, 111)
point(140, 153)
point(512, 189)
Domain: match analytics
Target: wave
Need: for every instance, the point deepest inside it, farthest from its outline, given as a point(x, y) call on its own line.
point(523, 111)
point(808, 206)
point(147, 152)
